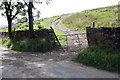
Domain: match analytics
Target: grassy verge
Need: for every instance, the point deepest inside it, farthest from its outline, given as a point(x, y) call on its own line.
point(27, 45)
point(99, 57)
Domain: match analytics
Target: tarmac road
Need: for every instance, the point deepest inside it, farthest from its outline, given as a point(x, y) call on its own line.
point(18, 65)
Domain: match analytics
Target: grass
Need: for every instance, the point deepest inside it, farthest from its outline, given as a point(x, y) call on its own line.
point(62, 40)
point(103, 17)
point(99, 57)
point(44, 24)
point(27, 45)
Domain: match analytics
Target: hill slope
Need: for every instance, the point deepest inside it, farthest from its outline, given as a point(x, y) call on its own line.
point(103, 17)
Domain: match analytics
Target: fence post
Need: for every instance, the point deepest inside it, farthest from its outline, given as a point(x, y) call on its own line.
point(56, 37)
point(93, 24)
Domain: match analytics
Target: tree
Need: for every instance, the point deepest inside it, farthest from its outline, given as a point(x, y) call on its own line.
point(30, 7)
point(11, 10)
point(30, 15)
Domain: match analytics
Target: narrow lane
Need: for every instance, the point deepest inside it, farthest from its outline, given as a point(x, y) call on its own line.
point(29, 65)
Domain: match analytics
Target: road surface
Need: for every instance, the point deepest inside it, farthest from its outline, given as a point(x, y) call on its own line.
point(29, 65)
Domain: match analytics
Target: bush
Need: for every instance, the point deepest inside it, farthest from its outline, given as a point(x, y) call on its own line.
point(99, 57)
point(28, 45)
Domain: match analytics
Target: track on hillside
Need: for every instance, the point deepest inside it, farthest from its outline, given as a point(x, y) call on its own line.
point(77, 40)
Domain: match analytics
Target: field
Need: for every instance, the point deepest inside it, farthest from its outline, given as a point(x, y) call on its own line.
point(103, 17)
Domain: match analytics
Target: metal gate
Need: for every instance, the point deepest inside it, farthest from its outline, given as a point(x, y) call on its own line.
point(71, 42)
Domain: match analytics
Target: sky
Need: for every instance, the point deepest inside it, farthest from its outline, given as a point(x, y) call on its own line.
point(58, 7)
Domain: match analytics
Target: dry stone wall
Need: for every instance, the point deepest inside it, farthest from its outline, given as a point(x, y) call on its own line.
point(42, 33)
point(104, 36)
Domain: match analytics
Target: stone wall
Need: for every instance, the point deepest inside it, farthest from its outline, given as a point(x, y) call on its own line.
point(19, 35)
point(42, 33)
point(104, 36)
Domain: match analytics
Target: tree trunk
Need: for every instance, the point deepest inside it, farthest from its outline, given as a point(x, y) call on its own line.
point(9, 18)
point(10, 29)
point(30, 16)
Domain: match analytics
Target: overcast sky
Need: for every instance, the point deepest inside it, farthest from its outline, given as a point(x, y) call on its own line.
point(58, 7)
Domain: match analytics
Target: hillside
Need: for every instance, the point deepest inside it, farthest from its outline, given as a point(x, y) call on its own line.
point(103, 17)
